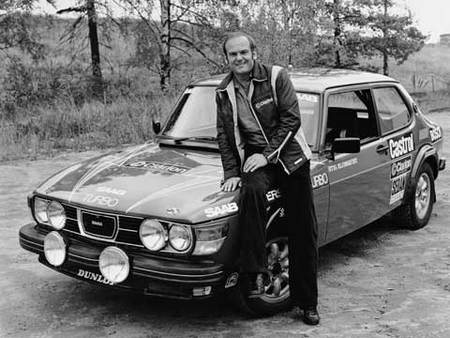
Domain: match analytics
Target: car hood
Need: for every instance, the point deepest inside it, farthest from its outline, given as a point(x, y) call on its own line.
point(170, 183)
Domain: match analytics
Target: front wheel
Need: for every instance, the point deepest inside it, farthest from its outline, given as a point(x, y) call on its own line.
point(416, 211)
point(276, 295)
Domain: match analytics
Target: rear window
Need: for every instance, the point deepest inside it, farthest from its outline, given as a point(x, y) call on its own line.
point(392, 110)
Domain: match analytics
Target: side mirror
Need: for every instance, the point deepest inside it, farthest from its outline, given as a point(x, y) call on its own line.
point(156, 126)
point(346, 145)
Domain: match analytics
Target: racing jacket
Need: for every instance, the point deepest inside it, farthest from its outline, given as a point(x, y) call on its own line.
point(278, 118)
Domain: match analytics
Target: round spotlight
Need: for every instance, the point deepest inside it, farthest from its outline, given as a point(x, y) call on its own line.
point(114, 264)
point(153, 235)
point(56, 215)
point(180, 237)
point(54, 248)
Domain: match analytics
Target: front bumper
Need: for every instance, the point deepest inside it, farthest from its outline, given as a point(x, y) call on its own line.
point(158, 276)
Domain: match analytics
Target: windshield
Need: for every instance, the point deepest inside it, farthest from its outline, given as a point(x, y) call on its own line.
point(195, 115)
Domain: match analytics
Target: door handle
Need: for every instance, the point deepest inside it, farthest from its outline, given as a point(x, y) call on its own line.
point(382, 148)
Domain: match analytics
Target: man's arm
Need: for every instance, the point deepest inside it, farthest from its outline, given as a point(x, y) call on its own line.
point(230, 163)
point(289, 114)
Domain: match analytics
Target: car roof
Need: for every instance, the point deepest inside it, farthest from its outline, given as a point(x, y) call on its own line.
point(317, 79)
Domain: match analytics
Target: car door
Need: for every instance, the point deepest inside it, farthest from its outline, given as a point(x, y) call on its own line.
point(359, 182)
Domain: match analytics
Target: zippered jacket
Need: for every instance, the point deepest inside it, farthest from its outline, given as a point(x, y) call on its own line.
point(278, 119)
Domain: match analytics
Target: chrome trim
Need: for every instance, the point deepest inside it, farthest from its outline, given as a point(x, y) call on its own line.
point(81, 257)
point(214, 274)
point(32, 243)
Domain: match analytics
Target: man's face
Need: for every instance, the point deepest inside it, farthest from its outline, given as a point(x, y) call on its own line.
point(239, 55)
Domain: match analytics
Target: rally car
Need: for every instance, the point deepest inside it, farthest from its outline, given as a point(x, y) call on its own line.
point(152, 218)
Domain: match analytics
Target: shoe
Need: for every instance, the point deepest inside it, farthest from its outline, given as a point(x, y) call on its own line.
point(258, 286)
point(311, 316)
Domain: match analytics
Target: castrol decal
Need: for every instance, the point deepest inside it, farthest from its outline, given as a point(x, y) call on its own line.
point(401, 145)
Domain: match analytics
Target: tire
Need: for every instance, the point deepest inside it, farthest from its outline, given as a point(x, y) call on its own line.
point(415, 213)
point(276, 297)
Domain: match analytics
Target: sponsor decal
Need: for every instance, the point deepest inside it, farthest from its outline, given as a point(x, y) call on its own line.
point(399, 174)
point(435, 133)
point(232, 280)
point(173, 211)
point(398, 188)
point(401, 167)
point(400, 146)
point(96, 277)
point(102, 200)
point(273, 195)
point(308, 97)
point(160, 167)
point(113, 191)
point(221, 210)
point(342, 165)
point(263, 103)
point(319, 180)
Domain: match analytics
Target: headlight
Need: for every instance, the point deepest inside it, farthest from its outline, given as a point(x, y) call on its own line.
point(114, 264)
point(54, 248)
point(40, 210)
point(210, 239)
point(153, 235)
point(180, 237)
point(56, 215)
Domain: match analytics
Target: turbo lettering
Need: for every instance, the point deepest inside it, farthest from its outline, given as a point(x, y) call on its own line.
point(93, 276)
point(221, 210)
point(401, 146)
point(319, 180)
point(101, 200)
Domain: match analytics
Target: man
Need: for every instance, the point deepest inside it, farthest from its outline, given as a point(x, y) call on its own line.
point(260, 141)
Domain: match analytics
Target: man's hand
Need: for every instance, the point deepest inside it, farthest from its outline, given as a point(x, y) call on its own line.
point(231, 184)
point(254, 162)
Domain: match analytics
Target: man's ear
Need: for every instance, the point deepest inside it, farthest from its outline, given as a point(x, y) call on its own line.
point(254, 55)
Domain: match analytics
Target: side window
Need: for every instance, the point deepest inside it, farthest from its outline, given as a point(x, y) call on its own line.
point(392, 110)
point(351, 114)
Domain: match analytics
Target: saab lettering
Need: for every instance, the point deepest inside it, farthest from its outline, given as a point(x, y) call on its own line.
point(112, 191)
point(319, 180)
point(273, 195)
point(435, 133)
point(221, 210)
point(401, 146)
point(101, 200)
point(93, 276)
point(398, 188)
point(401, 167)
point(262, 103)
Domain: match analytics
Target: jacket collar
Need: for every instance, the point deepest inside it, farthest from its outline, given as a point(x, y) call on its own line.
point(259, 74)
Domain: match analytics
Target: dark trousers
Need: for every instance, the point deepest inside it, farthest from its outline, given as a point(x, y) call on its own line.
point(301, 222)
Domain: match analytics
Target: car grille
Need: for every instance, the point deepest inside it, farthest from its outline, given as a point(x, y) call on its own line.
point(113, 228)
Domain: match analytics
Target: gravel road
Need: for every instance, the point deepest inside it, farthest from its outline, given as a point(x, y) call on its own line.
point(378, 282)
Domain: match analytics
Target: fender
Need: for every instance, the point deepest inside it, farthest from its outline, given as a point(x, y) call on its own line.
point(425, 152)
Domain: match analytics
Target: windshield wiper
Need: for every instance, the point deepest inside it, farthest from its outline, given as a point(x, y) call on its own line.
point(188, 138)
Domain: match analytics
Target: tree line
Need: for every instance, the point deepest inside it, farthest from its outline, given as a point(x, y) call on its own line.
point(331, 33)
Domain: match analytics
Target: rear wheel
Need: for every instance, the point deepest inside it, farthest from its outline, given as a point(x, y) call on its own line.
point(416, 211)
point(276, 295)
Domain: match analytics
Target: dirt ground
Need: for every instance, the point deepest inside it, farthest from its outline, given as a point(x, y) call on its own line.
point(378, 282)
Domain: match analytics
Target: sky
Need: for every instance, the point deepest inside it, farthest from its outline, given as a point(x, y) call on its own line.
point(431, 16)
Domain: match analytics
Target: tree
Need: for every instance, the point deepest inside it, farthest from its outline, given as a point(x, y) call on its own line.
point(16, 29)
point(391, 35)
point(180, 22)
point(87, 9)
